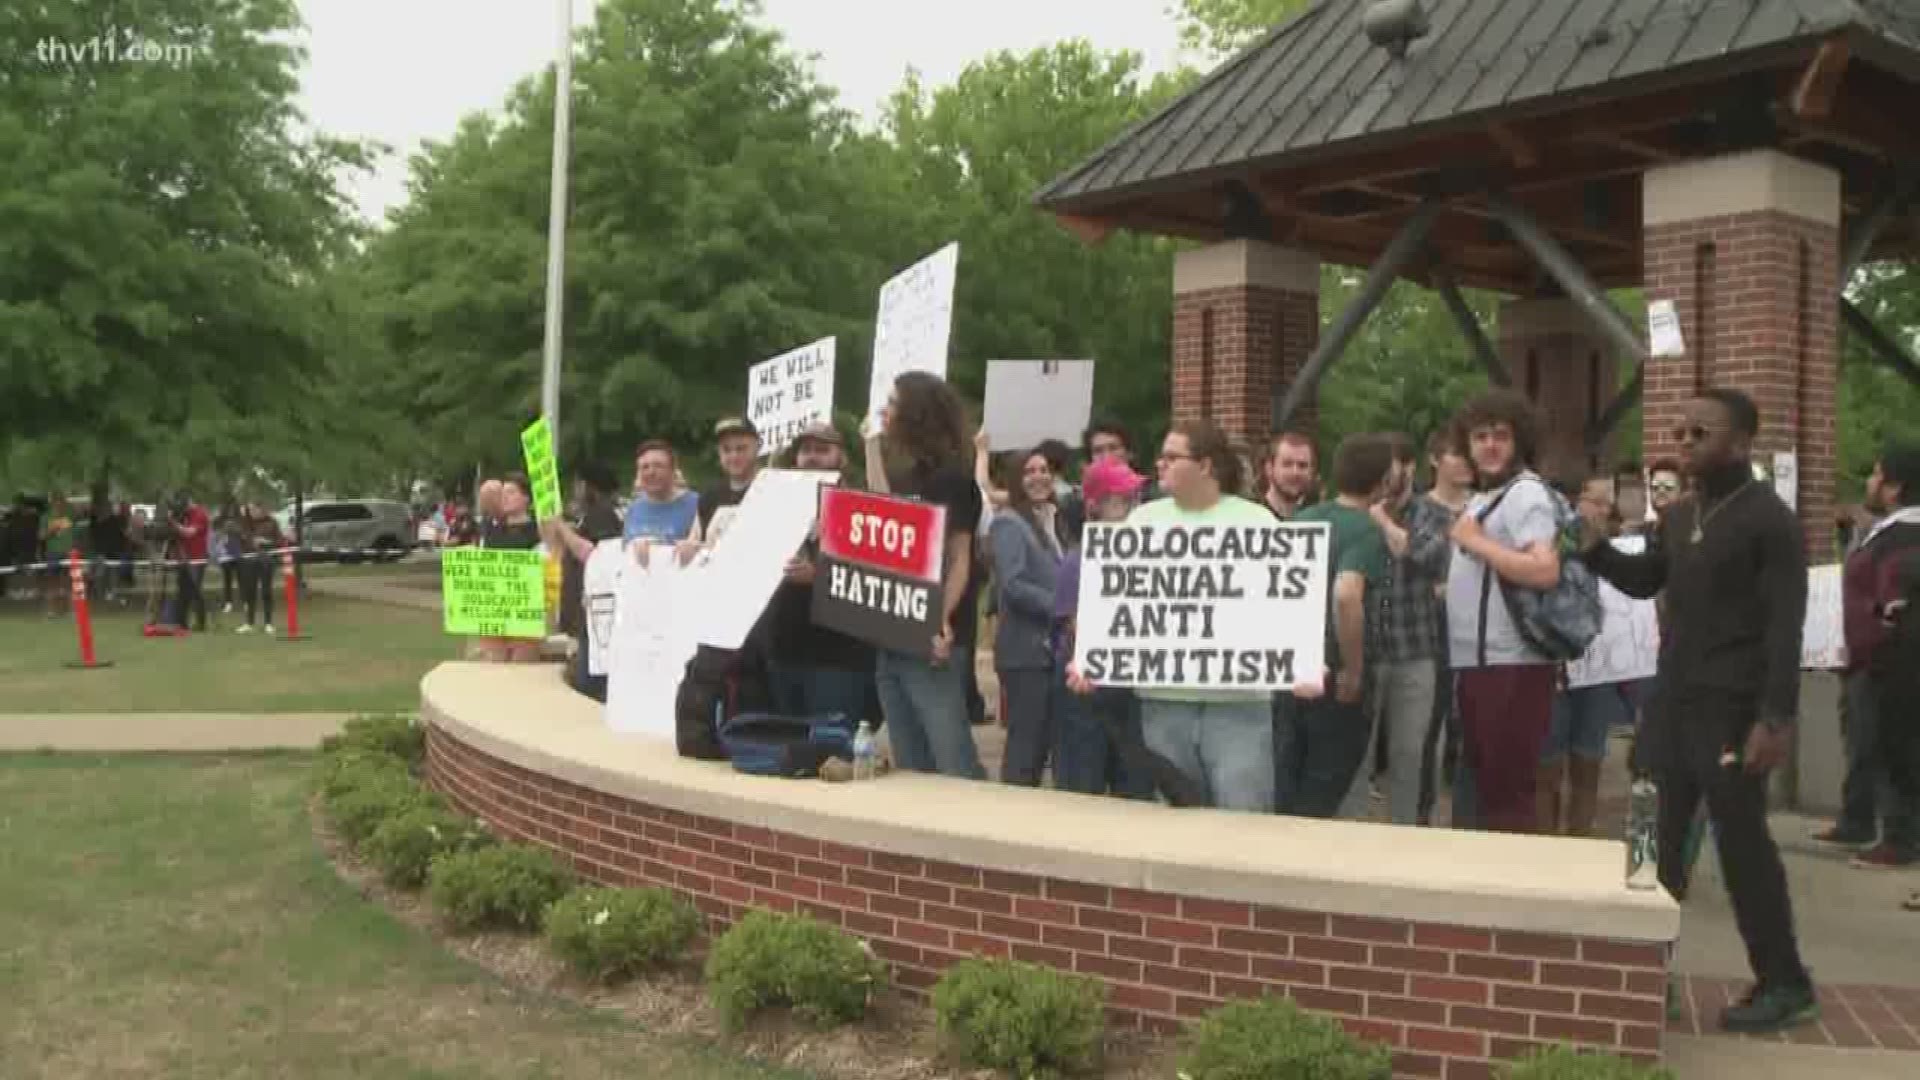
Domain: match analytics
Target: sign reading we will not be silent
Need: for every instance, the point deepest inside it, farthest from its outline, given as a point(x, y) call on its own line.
point(493, 592)
point(790, 392)
point(1204, 607)
point(543, 470)
point(882, 562)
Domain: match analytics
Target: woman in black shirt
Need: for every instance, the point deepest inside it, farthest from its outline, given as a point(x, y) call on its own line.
point(516, 531)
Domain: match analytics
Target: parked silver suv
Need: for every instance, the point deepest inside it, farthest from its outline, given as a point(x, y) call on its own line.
point(355, 526)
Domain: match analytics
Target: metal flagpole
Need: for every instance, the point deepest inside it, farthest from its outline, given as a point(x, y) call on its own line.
point(557, 222)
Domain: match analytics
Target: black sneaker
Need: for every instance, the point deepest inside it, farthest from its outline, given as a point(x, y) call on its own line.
point(1768, 1009)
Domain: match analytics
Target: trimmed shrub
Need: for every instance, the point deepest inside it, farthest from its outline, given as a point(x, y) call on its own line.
point(404, 846)
point(1563, 1063)
point(1271, 1037)
point(769, 961)
point(614, 934)
point(379, 795)
point(400, 736)
point(1028, 1020)
point(349, 767)
point(504, 886)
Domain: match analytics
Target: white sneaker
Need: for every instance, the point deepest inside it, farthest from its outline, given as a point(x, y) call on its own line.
point(243, 628)
point(226, 609)
point(269, 628)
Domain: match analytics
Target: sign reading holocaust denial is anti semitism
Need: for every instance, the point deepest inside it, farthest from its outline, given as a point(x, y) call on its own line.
point(494, 592)
point(1203, 607)
point(879, 576)
point(790, 392)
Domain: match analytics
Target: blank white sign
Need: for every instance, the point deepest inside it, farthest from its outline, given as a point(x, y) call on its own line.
point(1031, 401)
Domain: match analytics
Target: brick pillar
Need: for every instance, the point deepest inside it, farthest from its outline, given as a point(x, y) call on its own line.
point(1747, 248)
point(1245, 314)
point(1570, 370)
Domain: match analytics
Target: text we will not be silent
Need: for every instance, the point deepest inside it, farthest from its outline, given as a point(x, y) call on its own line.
point(1202, 606)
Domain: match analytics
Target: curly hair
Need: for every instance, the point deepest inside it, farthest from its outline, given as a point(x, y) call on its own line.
point(927, 429)
point(1509, 407)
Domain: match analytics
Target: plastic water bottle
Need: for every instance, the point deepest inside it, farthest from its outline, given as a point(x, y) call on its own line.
point(1643, 814)
point(863, 752)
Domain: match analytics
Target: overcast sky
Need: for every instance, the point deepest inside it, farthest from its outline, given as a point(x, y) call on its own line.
point(399, 71)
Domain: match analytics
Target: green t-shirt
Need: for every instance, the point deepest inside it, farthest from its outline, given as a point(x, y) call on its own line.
point(1358, 547)
point(61, 537)
point(1230, 510)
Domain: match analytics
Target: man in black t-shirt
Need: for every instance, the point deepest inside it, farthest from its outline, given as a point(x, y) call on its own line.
point(594, 520)
point(813, 670)
point(739, 449)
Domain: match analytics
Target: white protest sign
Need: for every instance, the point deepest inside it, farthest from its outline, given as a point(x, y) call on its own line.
point(1214, 607)
point(750, 560)
point(790, 392)
point(1786, 477)
point(913, 326)
point(1031, 401)
point(600, 600)
point(1628, 648)
point(1663, 329)
point(1823, 640)
point(651, 644)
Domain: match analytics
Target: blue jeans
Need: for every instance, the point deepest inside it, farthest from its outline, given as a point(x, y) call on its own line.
point(1096, 734)
point(1582, 719)
point(926, 711)
point(1867, 797)
point(816, 691)
point(1033, 735)
point(1226, 748)
point(1320, 745)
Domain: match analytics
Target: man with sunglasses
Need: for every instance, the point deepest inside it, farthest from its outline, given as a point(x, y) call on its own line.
point(1731, 559)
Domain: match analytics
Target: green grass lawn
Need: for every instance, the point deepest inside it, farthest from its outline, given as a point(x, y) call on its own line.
point(361, 657)
point(174, 917)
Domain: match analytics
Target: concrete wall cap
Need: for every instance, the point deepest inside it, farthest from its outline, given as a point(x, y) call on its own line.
point(1237, 263)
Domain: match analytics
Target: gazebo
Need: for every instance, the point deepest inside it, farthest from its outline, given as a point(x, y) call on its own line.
point(1739, 158)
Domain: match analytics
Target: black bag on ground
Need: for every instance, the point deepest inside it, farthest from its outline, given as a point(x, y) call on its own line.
point(720, 683)
point(767, 744)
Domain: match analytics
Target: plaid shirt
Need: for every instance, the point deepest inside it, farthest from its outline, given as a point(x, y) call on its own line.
point(1404, 617)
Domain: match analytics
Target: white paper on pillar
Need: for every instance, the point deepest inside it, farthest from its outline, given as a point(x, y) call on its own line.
point(600, 600)
point(1628, 648)
point(1031, 401)
point(1663, 329)
point(1786, 477)
point(749, 561)
point(652, 644)
point(914, 324)
point(1823, 641)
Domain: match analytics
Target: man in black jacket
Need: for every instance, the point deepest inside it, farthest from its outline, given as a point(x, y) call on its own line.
point(1732, 560)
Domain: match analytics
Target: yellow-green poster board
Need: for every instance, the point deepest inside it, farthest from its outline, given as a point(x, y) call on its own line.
point(489, 592)
point(536, 445)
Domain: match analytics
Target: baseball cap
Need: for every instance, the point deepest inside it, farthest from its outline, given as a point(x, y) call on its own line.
point(734, 425)
point(1107, 478)
point(822, 432)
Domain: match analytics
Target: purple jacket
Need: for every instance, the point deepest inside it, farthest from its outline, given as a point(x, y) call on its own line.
point(1066, 602)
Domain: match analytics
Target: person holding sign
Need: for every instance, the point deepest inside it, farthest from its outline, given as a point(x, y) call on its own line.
point(739, 452)
point(1321, 742)
point(1221, 740)
point(661, 512)
point(594, 520)
point(1026, 559)
point(515, 532)
point(920, 451)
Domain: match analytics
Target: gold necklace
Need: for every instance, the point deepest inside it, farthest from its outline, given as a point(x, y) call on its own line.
point(1700, 519)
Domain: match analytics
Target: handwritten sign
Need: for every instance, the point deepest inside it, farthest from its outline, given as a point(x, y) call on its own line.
point(1226, 607)
point(652, 644)
point(914, 325)
point(790, 392)
point(1628, 648)
point(493, 592)
point(1663, 330)
point(600, 600)
point(880, 573)
point(1823, 639)
point(543, 472)
point(1031, 401)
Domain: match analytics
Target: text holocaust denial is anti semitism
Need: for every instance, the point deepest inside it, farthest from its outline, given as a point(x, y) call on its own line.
point(1216, 607)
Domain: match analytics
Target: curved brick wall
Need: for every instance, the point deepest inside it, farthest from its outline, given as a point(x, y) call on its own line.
point(1446, 995)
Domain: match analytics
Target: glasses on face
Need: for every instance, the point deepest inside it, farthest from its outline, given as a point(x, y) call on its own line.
point(1664, 487)
point(1691, 433)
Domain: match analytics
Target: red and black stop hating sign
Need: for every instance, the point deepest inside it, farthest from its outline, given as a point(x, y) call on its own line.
point(881, 561)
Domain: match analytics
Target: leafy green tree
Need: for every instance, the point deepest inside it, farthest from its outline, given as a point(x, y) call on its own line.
point(1227, 26)
point(160, 223)
point(974, 153)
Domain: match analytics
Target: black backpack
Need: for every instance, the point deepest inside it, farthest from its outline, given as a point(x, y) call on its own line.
point(767, 744)
point(719, 684)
